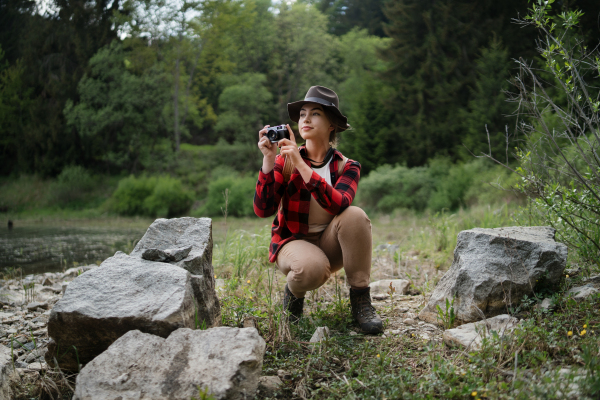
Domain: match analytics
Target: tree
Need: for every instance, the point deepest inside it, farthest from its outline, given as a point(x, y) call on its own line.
point(120, 113)
point(488, 113)
point(243, 105)
point(345, 15)
point(434, 45)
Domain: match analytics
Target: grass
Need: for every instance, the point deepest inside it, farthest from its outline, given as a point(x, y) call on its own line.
point(540, 360)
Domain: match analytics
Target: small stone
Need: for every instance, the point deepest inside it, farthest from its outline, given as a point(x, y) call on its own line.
point(469, 335)
point(35, 305)
point(383, 286)
point(546, 303)
point(396, 332)
point(268, 385)
point(47, 282)
point(582, 292)
point(410, 315)
point(249, 322)
point(37, 366)
point(320, 334)
point(283, 374)
point(219, 283)
point(352, 333)
point(409, 321)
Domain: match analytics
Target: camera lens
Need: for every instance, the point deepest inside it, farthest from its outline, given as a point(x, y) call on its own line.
point(272, 135)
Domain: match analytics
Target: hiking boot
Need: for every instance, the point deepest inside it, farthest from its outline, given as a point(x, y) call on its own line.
point(292, 305)
point(363, 312)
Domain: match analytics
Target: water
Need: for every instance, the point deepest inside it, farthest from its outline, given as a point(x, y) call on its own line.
point(48, 248)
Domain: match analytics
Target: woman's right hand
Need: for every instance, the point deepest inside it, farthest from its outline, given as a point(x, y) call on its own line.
point(268, 149)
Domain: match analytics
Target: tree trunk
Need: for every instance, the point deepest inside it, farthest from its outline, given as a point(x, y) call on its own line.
point(176, 107)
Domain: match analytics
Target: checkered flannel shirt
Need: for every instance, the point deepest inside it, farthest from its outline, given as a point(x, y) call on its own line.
point(291, 222)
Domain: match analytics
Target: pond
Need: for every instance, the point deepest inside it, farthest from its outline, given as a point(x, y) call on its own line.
point(56, 245)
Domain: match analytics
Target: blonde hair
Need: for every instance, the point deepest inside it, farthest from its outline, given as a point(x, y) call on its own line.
point(338, 125)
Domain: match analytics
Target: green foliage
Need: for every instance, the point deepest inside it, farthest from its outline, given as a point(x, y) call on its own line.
point(438, 186)
point(72, 188)
point(229, 192)
point(446, 316)
point(152, 196)
point(243, 106)
point(559, 163)
point(119, 111)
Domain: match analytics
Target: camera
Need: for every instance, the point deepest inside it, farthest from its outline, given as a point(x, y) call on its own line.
point(277, 133)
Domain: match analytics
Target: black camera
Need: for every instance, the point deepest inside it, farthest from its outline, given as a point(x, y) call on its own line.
point(277, 133)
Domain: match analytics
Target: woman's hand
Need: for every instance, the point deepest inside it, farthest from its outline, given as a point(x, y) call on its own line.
point(289, 149)
point(268, 149)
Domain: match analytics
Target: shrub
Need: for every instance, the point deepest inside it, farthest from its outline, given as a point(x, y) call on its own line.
point(436, 187)
point(240, 194)
point(168, 198)
point(151, 196)
point(72, 187)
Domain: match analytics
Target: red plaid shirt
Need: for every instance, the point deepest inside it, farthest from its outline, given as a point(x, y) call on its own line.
point(291, 222)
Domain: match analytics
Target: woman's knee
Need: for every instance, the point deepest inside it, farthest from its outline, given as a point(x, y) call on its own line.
point(355, 215)
point(310, 275)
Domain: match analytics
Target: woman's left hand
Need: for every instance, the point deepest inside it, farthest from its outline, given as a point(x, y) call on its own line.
point(289, 149)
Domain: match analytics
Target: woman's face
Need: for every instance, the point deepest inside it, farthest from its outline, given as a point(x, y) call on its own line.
point(313, 123)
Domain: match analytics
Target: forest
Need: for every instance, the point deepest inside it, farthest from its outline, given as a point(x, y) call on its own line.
point(165, 98)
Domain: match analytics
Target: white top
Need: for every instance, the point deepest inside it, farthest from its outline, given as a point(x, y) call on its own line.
point(318, 218)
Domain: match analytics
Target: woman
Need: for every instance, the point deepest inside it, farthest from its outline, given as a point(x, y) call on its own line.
point(316, 230)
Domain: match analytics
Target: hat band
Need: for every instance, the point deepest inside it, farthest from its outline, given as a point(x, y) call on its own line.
point(320, 101)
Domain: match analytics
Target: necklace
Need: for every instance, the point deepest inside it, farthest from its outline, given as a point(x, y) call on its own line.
point(321, 164)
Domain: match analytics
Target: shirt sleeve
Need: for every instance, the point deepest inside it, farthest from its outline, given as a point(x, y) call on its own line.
point(269, 190)
point(336, 199)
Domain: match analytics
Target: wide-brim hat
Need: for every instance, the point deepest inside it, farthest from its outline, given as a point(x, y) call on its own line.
point(321, 95)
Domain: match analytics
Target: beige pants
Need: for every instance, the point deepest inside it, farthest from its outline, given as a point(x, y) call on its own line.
point(346, 243)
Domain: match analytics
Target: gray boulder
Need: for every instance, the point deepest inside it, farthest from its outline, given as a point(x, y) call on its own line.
point(167, 240)
point(470, 336)
point(225, 362)
point(6, 373)
point(494, 268)
point(123, 294)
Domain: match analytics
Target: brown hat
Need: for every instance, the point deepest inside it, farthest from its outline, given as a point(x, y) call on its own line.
point(321, 95)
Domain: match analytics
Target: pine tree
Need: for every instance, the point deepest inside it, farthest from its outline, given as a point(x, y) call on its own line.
point(434, 45)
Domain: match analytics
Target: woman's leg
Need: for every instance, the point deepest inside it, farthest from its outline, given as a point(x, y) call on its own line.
point(347, 243)
point(305, 266)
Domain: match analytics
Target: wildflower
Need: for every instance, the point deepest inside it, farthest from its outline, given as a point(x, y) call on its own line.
point(215, 277)
point(474, 394)
point(566, 276)
point(250, 297)
point(570, 333)
point(585, 326)
point(582, 333)
point(413, 334)
point(378, 355)
point(248, 281)
point(463, 373)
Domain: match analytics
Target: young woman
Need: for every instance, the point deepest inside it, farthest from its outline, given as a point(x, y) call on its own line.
point(316, 231)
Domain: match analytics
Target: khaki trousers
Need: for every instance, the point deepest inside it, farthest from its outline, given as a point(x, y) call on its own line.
point(345, 243)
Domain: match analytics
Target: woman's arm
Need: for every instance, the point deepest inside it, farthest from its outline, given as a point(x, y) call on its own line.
point(336, 199)
point(269, 190)
point(269, 187)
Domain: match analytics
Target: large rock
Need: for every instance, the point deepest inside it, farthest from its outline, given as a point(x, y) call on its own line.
point(123, 294)
point(226, 362)
point(6, 373)
point(494, 268)
point(168, 240)
point(470, 336)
